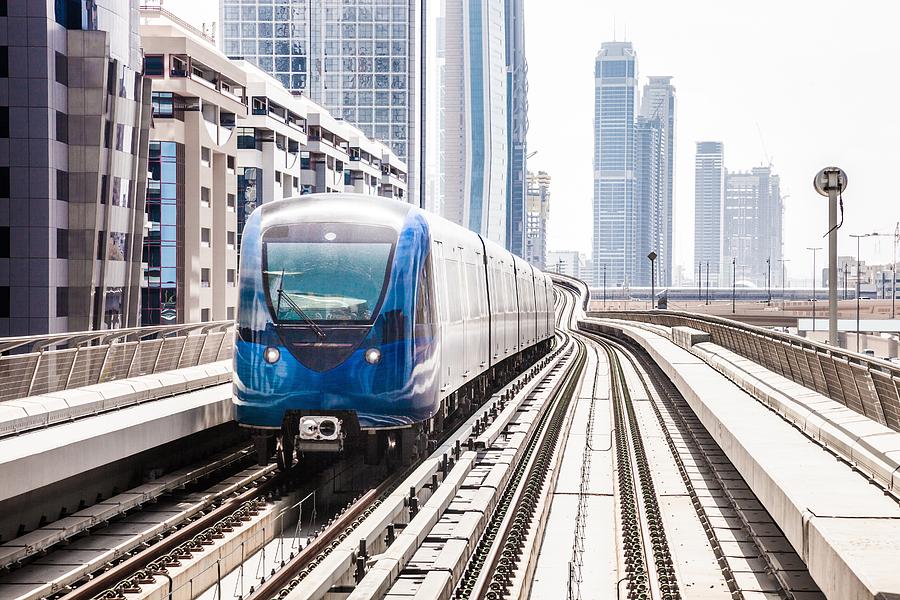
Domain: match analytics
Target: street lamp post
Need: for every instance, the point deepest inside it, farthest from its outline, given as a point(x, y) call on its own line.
point(733, 284)
point(652, 257)
point(783, 262)
point(604, 286)
point(707, 283)
point(699, 282)
point(858, 275)
point(831, 183)
point(814, 250)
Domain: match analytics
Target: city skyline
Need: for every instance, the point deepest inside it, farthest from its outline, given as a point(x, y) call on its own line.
point(750, 119)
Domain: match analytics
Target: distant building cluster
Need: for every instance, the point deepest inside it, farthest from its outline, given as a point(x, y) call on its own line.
point(633, 171)
point(737, 221)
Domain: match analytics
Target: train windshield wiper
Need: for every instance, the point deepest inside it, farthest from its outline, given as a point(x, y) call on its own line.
point(296, 308)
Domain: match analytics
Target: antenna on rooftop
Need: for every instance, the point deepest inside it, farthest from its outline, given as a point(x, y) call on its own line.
point(762, 141)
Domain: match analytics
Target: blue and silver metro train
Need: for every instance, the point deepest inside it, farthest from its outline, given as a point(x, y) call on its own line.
point(369, 319)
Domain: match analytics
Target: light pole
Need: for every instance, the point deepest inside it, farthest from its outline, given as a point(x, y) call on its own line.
point(783, 262)
point(604, 286)
point(894, 271)
point(831, 182)
point(652, 257)
point(700, 282)
point(707, 283)
point(814, 250)
point(733, 284)
point(859, 237)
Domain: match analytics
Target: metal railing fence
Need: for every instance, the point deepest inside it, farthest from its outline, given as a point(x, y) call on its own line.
point(41, 364)
point(867, 385)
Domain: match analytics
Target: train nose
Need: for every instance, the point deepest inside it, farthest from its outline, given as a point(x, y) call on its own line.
point(323, 353)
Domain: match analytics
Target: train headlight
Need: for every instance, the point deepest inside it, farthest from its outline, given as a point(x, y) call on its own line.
point(271, 354)
point(309, 428)
point(373, 355)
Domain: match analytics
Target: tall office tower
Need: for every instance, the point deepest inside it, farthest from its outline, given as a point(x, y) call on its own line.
point(615, 97)
point(361, 62)
point(73, 116)
point(658, 102)
point(649, 216)
point(191, 246)
point(752, 223)
point(516, 124)
point(709, 196)
point(475, 106)
point(537, 215)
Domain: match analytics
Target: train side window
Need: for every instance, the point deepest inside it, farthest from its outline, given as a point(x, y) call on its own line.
point(424, 305)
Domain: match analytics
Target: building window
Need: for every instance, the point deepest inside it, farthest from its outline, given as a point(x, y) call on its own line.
point(204, 156)
point(204, 315)
point(4, 61)
point(2, 8)
point(230, 239)
point(62, 69)
point(154, 65)
point(62, 127)
point(246, 139)
point(62, 185)
point(229, 163)
point(277, 176)
point(229, 313)
point(231, 201)
point(4, 182)
point(230, 277)
point(204, 280)
point(62, 243)
point(204, 196)
point(4, 242)
point(163, 104)
point(4, 302)
point(62, 302)
point(204, 237)
point(4, 121)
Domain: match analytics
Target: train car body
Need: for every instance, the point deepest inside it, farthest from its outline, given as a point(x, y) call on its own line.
point(360, 313)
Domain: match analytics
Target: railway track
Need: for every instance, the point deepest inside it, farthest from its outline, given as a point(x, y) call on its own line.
point(749, 553)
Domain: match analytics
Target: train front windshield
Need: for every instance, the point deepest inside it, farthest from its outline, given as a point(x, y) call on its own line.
point(321, 273)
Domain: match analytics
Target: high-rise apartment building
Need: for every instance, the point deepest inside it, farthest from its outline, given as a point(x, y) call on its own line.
point(709, 196)
point(658, 103)
point(516, 124)
point(649, 215)
point(361, 61)
point(752, 225)
point(475, 150)
point(615, 99)
point(537, 215)
point(191, 245)
point(73, 123)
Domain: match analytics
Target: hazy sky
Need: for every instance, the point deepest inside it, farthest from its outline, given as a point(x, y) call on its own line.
point(805, 84)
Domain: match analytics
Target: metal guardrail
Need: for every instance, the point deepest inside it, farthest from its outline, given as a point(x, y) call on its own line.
point(91, 357)
point(871, 387)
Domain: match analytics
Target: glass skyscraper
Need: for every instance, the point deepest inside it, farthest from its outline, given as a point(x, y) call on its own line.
point(474, 108)
point(615, 98)
point(361, 60)
point(709, 189)
point(517, 125)
point(658, 103)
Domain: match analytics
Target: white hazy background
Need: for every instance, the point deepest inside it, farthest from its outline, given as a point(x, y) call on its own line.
point(803, 84)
